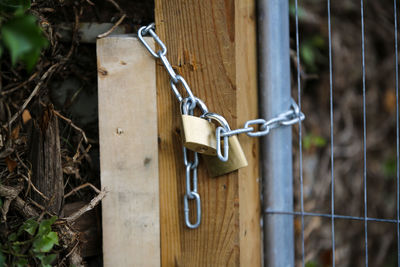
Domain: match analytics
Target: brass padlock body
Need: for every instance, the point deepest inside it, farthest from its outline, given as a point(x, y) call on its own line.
point(236, 159)
point(198, 135)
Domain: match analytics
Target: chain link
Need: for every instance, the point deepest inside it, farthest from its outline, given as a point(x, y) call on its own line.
point(191, 192)
point(162, 55)
point(287, 118)
point(189, 103)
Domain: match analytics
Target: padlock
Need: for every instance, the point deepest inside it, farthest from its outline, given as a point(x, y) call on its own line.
point(236, 159)
point(236, 156)
point(198, 134)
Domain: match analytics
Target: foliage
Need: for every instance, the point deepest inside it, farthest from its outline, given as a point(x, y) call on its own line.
point(311, 52)
point(19, 33)
point(390, 167)
point(311, 264)
point(311, 140)
point(300, 11)
point(31, 239)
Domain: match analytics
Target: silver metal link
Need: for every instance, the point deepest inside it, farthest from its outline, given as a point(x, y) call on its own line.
point(220, 130)
point(222, 157)
point(264, 129)
point(182, 81)
point(191, 187)
point(287, 118)
point(189, 103)
point(187, 211)
point(186, 106)
point(145, 30)
point(189, 190)
point(168, 67)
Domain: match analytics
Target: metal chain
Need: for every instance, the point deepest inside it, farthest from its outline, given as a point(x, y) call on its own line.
point(191, 192)
point(161, 54)
point(189, 103)
point(287, 118)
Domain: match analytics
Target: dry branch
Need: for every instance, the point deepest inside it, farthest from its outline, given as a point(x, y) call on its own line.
point(70, 123)
point(93, 203)
point(112, 28)
point(34, 92)
point(81, 187)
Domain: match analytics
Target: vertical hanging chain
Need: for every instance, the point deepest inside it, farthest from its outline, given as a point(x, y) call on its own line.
point(189, 102)
point(191, 191)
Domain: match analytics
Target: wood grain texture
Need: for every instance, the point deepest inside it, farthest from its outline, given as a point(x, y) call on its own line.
point(205, 45)
point(45, 156)
point(249, 187)
point(128, 153)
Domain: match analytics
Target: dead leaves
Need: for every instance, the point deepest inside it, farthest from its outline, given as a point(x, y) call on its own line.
point(11, 164)
point(26, 116)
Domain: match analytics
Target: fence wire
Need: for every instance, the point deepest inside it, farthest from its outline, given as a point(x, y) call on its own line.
point(332, 215)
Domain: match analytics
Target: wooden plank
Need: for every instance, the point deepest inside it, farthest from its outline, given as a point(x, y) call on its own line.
point(128, 153)
point(246, 79)
point(205, 46)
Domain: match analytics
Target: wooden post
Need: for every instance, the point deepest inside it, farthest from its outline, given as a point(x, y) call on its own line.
point(128, 149)
point(212, 44)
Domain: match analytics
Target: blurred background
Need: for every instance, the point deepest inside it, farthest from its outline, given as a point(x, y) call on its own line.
point(347, 130)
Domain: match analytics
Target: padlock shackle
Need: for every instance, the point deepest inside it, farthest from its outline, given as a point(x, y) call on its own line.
point(218, 118)
point(186, 106)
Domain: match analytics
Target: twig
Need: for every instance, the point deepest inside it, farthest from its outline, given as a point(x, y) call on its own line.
point(34, 92)
point(25, 210)
point(116, 5)
point(9, 192)
point(112, 28)
point(76, 189)
point(36, 204)
point(28, 179)
point(5, 208)
point(30, 184)
point(69, 253)
point(74, 36)
point(87, 207)
point(77, 153)
point(20, 85)
point(70, 123)
point(85, 154)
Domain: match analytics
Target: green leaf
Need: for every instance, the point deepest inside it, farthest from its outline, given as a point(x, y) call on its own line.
point(2, 259)
point(318, 41)
point(300, 11)
point(1, 203)
point(319, 141)
point(12, 237)
point(311, 140)
point(21, 262)
point(308, 54)
point(28, 226)
point(311, 264)
point(46, 260)
point(16, 248)
point(45, 226)
point(46, 242)
point(14, 5)
point(389, 167)
point(24, 39)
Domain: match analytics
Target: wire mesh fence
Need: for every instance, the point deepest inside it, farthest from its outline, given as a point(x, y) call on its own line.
point(347, 155)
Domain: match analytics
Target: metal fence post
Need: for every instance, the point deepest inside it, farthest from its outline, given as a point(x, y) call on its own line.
point(274, 66)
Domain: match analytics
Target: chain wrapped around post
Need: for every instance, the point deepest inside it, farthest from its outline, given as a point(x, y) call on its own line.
point(222, 132)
